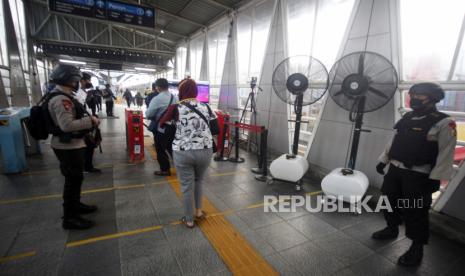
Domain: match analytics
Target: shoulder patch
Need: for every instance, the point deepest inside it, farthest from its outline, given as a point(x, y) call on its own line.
point(67, 104)
point(453, 128)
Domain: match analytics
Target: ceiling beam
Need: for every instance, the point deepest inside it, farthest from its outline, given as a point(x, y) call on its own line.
point(109, 47)
point(147, 34)
point(42, 25)
point(213, 2)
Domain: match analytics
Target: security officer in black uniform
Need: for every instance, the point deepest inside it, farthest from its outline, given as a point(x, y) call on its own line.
point(419, 156)
point(68, 125)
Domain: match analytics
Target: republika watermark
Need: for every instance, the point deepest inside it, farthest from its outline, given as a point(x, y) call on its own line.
point(327, 204)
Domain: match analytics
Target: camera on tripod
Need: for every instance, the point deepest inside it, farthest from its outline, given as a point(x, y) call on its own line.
point(253, 82)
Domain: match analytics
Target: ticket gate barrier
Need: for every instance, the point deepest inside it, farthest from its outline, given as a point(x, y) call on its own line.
point(223, 137)
point(135, 135)
point(15, 140)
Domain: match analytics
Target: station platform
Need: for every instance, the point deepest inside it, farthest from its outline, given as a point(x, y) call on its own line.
point(138, 231)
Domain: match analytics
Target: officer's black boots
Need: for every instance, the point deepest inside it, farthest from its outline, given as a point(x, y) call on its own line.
point(413, 256)
point(93, 170)
point(72, 219)
point(86, 209)
point(386, 234)
point(77, 223)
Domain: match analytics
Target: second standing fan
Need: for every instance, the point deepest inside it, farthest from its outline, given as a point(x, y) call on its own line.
point(360, 82)
point(298, 81)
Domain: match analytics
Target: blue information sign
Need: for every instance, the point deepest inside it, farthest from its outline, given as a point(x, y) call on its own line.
point(108, 10)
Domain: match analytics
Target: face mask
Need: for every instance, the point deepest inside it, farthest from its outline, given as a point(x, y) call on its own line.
point(76, 87)
point(417, 104)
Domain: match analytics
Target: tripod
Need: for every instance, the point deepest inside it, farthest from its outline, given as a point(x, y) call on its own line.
point(251, 106)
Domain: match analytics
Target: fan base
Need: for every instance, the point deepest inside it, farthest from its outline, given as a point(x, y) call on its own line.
point(348, 186)
point(291, 170)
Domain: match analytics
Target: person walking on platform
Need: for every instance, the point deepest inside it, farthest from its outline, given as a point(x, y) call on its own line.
point(139, 100)
point(419, 156)
point(151, 95)
point(68, 126)
point(109, 98)
point(192, 147)
point(98, 94)
point(155, 111)
point(128, 97)
point(91, 101)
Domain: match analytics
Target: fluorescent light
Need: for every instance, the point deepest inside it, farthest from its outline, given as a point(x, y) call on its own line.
point(72, 61)
point(145, 69)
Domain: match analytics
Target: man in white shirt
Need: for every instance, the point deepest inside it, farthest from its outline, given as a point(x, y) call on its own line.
point(157, 107)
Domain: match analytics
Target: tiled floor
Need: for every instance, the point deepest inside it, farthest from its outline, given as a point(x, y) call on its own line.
point(299, 243)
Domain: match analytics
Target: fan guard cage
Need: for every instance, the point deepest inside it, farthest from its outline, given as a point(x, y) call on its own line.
point(363, 74)
point(299, 75)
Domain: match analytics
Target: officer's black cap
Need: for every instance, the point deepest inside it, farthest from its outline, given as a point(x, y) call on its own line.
point(86, 76)
point(430, 89)
point(162, 83)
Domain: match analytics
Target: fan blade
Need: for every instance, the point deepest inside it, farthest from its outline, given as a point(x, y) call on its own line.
point(338, 93)
point(361, 61)
point(380, 72)
point(377, 92)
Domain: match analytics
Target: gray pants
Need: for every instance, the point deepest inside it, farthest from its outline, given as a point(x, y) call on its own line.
point(190, 168)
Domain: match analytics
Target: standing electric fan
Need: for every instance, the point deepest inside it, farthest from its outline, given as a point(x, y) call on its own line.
point(360, 82)
point(298, 81)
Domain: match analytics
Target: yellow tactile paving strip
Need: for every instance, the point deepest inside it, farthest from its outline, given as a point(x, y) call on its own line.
point(238, 255)
point(17, 257)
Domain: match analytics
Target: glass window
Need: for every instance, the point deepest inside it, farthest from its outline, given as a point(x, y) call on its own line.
point(19, 22)
point(253, 26)
point(429, 32)
point(3, 46)
point(300, 25)
point(313, 30)
point(181, 55)
point(169, 74)
point(329, 32)
point(217, 45)
point(459, 74)
point(214, 97)
point(196, 51)
point(261, 29)
point(244, 37)
point(322, 37)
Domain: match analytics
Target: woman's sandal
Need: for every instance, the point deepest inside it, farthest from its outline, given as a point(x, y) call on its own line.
point(184, 221)
point(202, 216)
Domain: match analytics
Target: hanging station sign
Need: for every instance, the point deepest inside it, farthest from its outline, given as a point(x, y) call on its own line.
point(111, 10)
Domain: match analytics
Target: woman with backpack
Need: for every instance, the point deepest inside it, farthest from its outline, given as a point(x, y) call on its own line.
point(192, 147)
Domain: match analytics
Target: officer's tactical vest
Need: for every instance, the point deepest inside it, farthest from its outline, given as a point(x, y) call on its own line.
point(80, 112)
point(410, 145)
